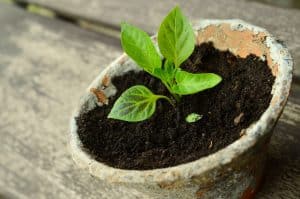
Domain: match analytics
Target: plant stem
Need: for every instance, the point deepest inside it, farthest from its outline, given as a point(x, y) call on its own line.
point(166, 98)
point(177, 97)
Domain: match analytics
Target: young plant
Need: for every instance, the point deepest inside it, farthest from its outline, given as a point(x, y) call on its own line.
point(193, 117)
point(176, 42)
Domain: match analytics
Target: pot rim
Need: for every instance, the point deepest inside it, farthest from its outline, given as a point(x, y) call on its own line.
point(253, 133)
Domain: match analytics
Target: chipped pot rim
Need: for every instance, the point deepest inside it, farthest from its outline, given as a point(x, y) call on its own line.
point(253, 133)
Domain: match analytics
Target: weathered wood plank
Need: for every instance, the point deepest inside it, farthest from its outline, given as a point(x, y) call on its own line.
point(283, 167)
point(44, 67)
point(283, 23)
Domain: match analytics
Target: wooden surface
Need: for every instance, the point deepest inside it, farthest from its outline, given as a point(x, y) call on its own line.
point(44, 66)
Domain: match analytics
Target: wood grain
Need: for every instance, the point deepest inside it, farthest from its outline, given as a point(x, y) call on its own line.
point(283, 166)
point(44, 67)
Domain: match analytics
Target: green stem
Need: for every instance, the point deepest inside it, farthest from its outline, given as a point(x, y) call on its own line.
point(166, 98)
point(176, 96)
point(167, 85)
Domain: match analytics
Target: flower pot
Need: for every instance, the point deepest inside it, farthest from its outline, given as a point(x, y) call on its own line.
point(232, 172)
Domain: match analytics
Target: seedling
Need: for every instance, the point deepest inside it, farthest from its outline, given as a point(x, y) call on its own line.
point(176, 41)
point(193, 117)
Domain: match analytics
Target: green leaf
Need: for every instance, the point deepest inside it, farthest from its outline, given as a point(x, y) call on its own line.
point(190, 83)
point(167, 73)
point(169, 69)
point(135, 104)
point(193, 117)
point(176, 39)
point(139, 46)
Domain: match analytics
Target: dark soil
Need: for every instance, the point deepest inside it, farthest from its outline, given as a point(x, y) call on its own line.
point(166, 139)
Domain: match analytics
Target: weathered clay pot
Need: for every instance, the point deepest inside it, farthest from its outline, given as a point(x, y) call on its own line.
point(233, 172)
